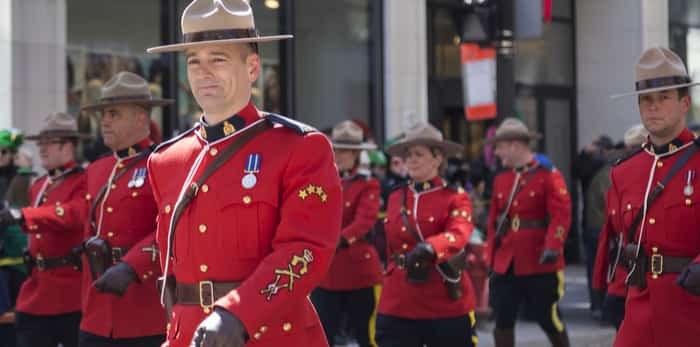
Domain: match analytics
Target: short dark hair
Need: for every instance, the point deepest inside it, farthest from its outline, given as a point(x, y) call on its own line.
point(682, 92)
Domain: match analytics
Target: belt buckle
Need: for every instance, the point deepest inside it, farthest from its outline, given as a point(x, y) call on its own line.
point(206, 305)
point(401, 261)
point(515, 223)
point(657, 265)
point(117, 254)
point(40, 263)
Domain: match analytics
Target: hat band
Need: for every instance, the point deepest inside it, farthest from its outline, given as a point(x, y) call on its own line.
point(126, 98)
point(215, 35)
point(346, 142)
point(661, 82)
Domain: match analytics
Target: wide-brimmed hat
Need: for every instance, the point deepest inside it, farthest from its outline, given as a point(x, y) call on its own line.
point(659, 69)
point(206, 22)
point(348, 135)
point(513, 129)
point(126, 88)
point(426, 135)
point(59, 124)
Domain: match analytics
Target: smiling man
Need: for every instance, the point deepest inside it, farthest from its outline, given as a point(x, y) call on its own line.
point(249, 202)
point(654, 202)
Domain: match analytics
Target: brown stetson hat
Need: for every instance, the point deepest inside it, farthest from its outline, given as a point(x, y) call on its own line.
point(512, 129)
point(59, 124)
point(427, 135)
point(206, 22)
point(126, 88)
point(348, 135)
point(659, 69)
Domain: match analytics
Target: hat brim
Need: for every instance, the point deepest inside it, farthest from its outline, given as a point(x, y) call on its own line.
point(147, 102)
point(653, 90)
point(449, 148)
point(62, 134)
point(360, 147)
point(177, 47)
point(513, 137)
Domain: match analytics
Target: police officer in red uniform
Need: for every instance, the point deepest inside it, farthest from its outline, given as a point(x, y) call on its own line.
point(529, 219)
point(654, 195)
point(352, 285)
point(249, 203)
point(427, 298)
point(119, 298)
point(48, 306)
point(608, 273)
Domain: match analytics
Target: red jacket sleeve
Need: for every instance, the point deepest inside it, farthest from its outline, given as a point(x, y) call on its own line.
point(365, 213)
point(68, 216)
point(305, 239)
point(458, 229)
point(559, 211)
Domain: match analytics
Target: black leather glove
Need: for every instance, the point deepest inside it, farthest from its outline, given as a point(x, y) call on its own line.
point(419, 260)
point(689, 279)
point(116, 279)
point(9, 217)
point(549, 256)
point(220, 329)
point(343, 243)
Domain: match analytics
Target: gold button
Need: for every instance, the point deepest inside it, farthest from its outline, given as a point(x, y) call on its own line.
point(247, 199)
point(629, 207)
point(500, 196)
point(404, 246)
point(386, 220)
point(431, 219)
point(263, 329)
point(145, 276)
point(110, 234)
point(202, 228)
point(465, 214)
point(203, 268)
point(257, 336)
point(120, 166)
point(403, 228)
point(515, 203)
point(114, 186)
point(167, 327)
point(659, 164)
point(34, 227)
point(88, 197)
point(206, 310)
point(652, 221)
point(408, 212)
point(150, 273)
point(213, 152)
point(612, 212)
point(441, 255)
point(38, 236)
point(287, 327)
point(655, 249)
point(205, 188)
point(368, 256)
point(59, 211)
point(688, 202)
point(110, 210)
point(134, 194)
point(167, 208)
point(347, 204)
point(532, 194)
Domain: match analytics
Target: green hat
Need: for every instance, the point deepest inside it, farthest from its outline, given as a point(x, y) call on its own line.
point(11, 138)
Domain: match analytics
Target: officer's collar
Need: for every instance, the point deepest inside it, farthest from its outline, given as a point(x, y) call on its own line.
point(427, 185)
point(214, 132)
point(684, 139)
point(527, 167)
point(55, 172)
point(134, 149)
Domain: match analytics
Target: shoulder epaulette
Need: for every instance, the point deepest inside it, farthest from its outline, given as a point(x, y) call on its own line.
point(628, 155)
point(299, 127)
point(544, 162)
point(456, 188)
point(173, 140)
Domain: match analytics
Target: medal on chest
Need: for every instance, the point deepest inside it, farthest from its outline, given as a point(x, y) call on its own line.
point(689, 178)
point(252, 166)
point(138, 178)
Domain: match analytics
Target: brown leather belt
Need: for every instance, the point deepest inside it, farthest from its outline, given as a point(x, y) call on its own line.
point(516, 223)
point(657, 264)
point(204, 293)
point(43, 264)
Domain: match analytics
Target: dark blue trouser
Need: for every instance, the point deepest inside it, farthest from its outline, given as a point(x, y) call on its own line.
point(444, 332)
point(47, 331)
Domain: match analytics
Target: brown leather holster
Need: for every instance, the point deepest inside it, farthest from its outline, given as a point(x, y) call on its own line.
point(99, 256)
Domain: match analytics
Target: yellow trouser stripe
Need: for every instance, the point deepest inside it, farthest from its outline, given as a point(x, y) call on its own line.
point(11, 261)
point(472, 323)
point(560, 282)
point(555, 318)
point(373, 318)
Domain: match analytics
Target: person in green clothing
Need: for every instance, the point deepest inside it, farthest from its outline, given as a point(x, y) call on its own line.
point(12, 241)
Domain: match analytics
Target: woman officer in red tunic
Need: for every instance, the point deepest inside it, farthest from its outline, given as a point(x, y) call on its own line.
point(427, 298)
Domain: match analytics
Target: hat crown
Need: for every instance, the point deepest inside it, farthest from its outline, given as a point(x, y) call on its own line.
point(512, 126)
point(210, 15)
point(126, 85)
point(59, 121)
point(423, 131)
point(658, 62)
point(347, 132)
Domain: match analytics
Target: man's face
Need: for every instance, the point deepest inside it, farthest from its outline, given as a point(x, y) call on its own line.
point(663, 113)
point(221, 76)
point(51, 152)
point(119, 123)
point(506, 151)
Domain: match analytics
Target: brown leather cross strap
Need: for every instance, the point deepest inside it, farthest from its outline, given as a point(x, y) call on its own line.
point(204, 293)
point(57, 182)
point(228, 152)
point(93, 209)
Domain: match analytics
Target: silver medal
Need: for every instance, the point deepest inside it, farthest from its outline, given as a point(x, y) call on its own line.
point(249, 181)
point(688, 190)
point(139, 182)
